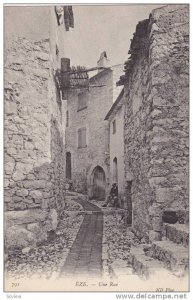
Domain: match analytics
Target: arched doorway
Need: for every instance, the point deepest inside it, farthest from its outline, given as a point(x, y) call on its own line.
point(99, 182)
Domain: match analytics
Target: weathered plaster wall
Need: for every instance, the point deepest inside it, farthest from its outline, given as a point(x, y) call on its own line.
point(156, 117)
point(58, 39)
point(117, 150)
point(117, 72)
point(34, 167)
point(99, 101)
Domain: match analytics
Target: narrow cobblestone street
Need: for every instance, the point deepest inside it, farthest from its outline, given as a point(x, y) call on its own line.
point(85, 256)
point(75, 250)
point(46, 260)
point(96, 148)
point(87, 247)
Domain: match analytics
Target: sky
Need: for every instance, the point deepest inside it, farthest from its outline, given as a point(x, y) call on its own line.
point(99, 28)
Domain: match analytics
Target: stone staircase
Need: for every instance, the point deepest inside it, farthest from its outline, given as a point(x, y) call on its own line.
point(177, 233)
point(169, 256)
point(71, 195)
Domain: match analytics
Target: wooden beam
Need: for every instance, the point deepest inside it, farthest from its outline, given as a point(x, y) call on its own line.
point(85, 71)
point(84, 87)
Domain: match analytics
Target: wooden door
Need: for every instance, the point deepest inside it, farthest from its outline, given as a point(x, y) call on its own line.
point(99, 184)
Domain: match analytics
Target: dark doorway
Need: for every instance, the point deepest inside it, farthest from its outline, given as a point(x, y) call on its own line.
point(115, 171)
point(99, 183)
point(129, 202)
point(68, 165)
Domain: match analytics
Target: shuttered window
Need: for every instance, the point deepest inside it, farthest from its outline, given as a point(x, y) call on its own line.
point(67, 118)
point(82, 137)
point(82, 103)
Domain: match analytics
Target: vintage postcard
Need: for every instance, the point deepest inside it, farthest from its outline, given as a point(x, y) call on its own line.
point(96, 136)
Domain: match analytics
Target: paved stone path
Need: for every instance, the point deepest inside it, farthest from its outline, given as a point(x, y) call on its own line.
point(85, 256)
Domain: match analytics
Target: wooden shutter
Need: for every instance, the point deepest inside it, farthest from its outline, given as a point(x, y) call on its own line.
point(67, 118)
point(82, 137)
point(81, 101)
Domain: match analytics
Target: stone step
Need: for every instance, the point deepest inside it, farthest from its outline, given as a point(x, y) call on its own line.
point(175, 257)
point(145, 266)
point(120, 268)
point(71, 193)
point(76, 196)
point(177, 233)
point(183, 216)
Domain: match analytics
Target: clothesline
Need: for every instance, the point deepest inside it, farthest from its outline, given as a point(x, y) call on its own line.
point(73, 87)
point(90, 70)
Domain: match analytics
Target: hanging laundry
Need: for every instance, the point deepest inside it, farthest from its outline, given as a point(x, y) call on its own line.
point(60, 14)
point(71, 16)
point(68, 17)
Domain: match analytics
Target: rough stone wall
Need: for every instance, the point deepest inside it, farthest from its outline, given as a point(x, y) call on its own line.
point(169, 53)
point(117, 150)
point(156, 117)
point(26, 118)
point(99, 101)
point(33, 143)
point(137, 123)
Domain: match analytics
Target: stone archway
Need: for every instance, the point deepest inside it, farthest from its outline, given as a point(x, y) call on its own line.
point(97, 187)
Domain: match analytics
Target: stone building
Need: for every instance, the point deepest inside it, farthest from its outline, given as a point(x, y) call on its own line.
point(48, 141)
point(156, 84)
point(34, 135)
point(87, 138)
point(115, 117)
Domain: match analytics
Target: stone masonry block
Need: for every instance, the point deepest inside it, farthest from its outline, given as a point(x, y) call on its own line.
point(34, 184)
point(52, 220)
point(13, 218)
point(19, 237)
point(157, 223)
point(155, 210)
point(163, 195)
point(35, 194)
point(154, 236)
point(22, 192)
point(155, 181)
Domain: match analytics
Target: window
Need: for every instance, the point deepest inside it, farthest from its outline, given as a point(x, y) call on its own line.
point(114, 126)
point(67, 118)
point(68, 165)
point(82, 137)
point(82, 101)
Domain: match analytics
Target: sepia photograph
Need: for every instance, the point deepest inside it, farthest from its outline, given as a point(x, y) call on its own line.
point(96, 148)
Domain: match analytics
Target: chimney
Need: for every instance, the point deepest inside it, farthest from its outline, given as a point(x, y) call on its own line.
point(103, 61)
